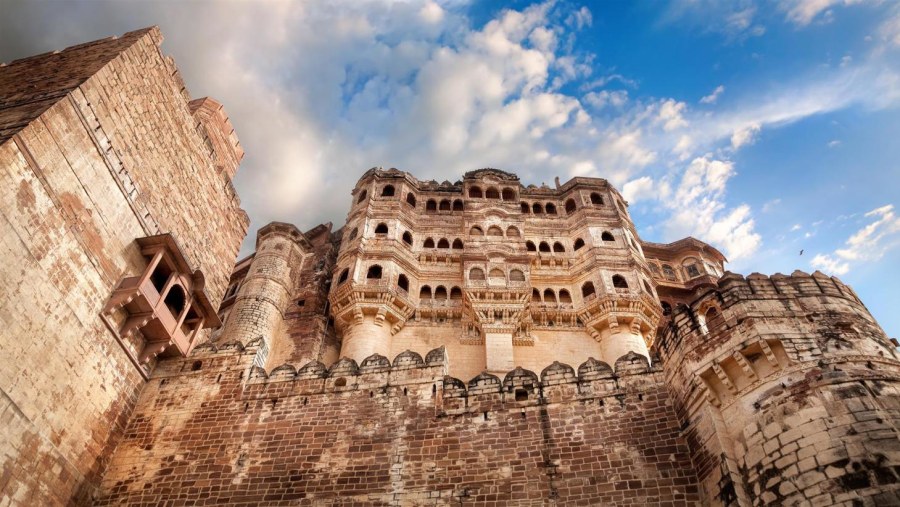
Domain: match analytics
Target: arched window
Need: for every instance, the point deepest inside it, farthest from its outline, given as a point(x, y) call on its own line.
point(564, 296)
point(445, 205)
point(458, 205)
point(549, 296)
point(431, 206)
point(455, 293)
point(579, 243)
point(551, 208)
point(476, 274)
point(403, 282)
point(443, 243)
point(512, 232)
point(529, 246)
point(457, 244)
point(411, 199)
point(654, 269)
point(587, 289)
point(429, 243)
point(570, 206)
point(475, 192)
point(544, 247)
point(607, 236)
point(476, 231)
point(516, 275)
point(362, 196)
point(619, 282)
point(440, 292)
point(175, 300)
point(713, 319)
point(508, 194)
point(494, 231)
point(525, 207)
point(352, 235)
point(344, 274)
point(497, 275)
point(374, 272)
point(407, 238)
point(537, 209)
point(387, 191)
point(596, 198)
point(536, 295)
point(492, 193)
point(381, 228)
point(668, 272)
point(557, 247)
point(691, 269)
point(667, 309)
point(425, 292)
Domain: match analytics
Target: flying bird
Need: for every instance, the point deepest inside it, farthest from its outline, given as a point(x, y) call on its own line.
point(801, 251)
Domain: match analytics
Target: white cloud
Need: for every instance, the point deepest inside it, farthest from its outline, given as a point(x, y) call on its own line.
point(746, 135)
point(867, 244)
point(803, 12)
point(698, 209)
point(603, 98)
point(638, 189)
point(670, 114)
point(770, 205)
point(714, 96)
point(796, 227)
point(829, 264)
point(889, 31)
point(834, 143)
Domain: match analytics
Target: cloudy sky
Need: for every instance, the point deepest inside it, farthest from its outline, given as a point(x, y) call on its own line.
point(764, 128)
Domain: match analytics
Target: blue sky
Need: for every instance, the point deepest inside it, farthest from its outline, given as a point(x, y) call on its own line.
point(764, 128)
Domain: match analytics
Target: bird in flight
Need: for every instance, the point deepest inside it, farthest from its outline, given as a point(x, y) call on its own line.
point(801, 252)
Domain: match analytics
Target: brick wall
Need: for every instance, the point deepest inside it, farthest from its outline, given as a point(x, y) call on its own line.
point(212, 429)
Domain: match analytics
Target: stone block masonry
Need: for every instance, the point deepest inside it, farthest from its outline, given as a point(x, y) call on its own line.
point(98, 147)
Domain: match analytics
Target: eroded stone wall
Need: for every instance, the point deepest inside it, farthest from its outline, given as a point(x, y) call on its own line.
point(213, 429)
point(789, 393)
point(111, 155)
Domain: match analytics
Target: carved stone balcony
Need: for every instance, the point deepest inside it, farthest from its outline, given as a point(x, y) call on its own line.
point(166, 303)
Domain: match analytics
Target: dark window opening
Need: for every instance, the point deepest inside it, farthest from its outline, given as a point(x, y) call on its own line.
point(537, 209)
point(619, 282)
point(607, 236)
point(525, 207)
point(457, 244)
point(440, 292)
point(425, 292)
point(587, 289)
point(551, 208)
point(403, 282)
point(549, 296)
point(667, 309)
point(362, 196)
point(579, 243)
point(387, 191)
point(429, 243)
point(344, 274)
point(458, 205)
point(175, 300)
point(564, 296)
point(544, 247)
point(445, 205)
point(475, 192)
point(381, 228)
point(431, 205)
point(570, 206)
point(443, 243)
point(411, 199)
point(508, 194)
point(521, 395)
point(374, 272)
point(407, 238)
point(557, 247)
point(596, 198)
point(455, 293)
point(492, 193)
point(529, 246)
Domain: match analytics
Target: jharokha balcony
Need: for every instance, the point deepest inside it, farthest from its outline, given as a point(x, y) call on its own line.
point(166, 303)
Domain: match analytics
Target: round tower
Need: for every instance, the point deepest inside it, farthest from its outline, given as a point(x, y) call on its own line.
point(266, 291)
point(789, 392)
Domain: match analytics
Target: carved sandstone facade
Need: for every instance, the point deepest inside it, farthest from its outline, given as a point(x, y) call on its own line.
point(481, 342)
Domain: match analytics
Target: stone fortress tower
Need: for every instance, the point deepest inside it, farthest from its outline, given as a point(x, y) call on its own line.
point(480, 342)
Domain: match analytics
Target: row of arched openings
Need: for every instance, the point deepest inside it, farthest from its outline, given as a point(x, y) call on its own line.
point(511, 232)
point(506, 194)
point(549, 208)
point(544, 246)
point(496, 274)
point(443, 243)
point(550, 296)
point(440, 293)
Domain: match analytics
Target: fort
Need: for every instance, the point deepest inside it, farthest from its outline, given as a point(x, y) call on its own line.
point(483, 342)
